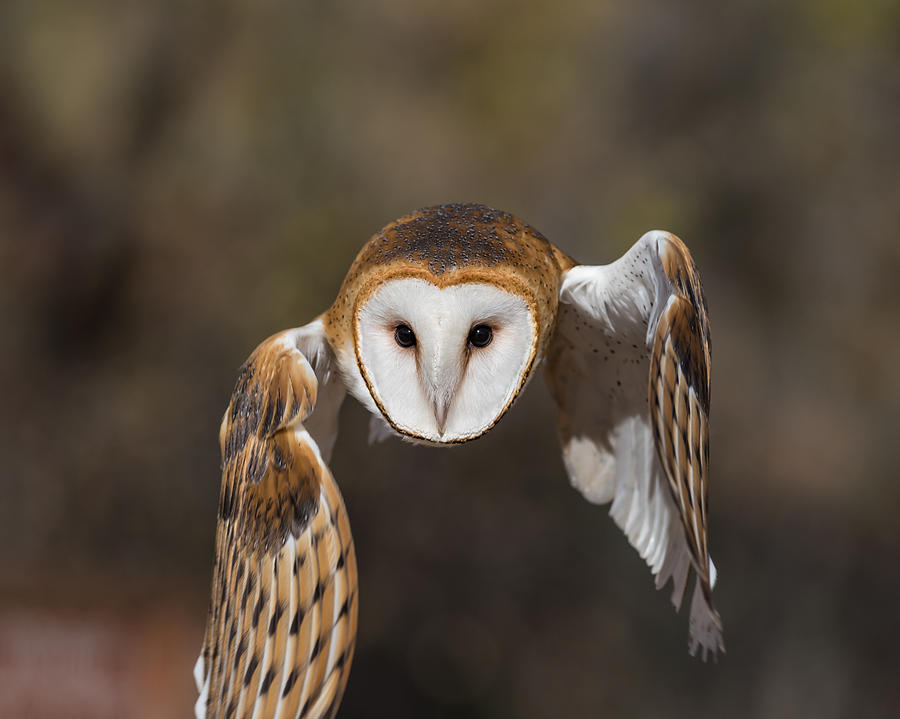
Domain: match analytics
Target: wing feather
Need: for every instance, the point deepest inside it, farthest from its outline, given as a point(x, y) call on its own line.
point(629, 370)
point(283, 545)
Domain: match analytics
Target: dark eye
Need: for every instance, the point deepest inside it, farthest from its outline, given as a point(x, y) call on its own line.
point(404, 336)
point(480, 336)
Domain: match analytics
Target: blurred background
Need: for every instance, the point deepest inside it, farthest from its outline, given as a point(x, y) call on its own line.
point(180, 180)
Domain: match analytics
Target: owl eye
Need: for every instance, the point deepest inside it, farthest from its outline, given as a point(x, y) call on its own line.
point(404, 336)
point(480, 336)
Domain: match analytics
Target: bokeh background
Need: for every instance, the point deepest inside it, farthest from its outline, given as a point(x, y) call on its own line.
point(179, 180)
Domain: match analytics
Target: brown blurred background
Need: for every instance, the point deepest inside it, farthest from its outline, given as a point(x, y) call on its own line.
point(179, 180)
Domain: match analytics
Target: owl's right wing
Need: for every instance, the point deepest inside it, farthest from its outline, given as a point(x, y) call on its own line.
point(629, 370)
point(282, 620)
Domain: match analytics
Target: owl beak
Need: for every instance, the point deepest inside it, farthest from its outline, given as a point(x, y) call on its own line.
point(441, 410)
point(442, 376)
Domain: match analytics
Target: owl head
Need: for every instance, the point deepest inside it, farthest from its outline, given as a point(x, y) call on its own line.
point(443, 317)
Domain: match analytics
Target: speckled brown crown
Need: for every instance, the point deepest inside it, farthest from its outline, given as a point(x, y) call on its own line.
point(456, 244)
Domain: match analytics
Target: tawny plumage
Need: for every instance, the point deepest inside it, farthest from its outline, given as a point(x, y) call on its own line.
point(282, 622)
point(679, 414)
point(437, 328)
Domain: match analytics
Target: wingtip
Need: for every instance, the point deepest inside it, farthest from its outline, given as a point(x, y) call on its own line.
point(707, 652)
point(705, 632)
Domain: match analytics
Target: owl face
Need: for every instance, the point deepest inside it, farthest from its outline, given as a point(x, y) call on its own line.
point(442, 318)
point(444, 363)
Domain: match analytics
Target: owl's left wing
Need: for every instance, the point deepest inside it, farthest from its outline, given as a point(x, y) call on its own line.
point(629, 370)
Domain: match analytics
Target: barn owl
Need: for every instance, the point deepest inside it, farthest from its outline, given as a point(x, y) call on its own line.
point(441, 321)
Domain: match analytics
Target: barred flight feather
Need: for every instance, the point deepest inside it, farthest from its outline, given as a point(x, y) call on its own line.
point(282, 620)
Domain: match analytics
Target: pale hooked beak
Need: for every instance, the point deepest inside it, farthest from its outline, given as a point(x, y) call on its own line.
point(441, 376)
point(441, 410)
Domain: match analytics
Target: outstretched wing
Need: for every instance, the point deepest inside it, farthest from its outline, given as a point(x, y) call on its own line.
point(629, 370)
point(282, 619)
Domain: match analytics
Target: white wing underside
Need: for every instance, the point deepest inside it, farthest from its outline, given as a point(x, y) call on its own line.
point(598, 371)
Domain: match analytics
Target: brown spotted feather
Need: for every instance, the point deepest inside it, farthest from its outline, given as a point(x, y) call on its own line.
point(282, 623)
point(679, 401)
